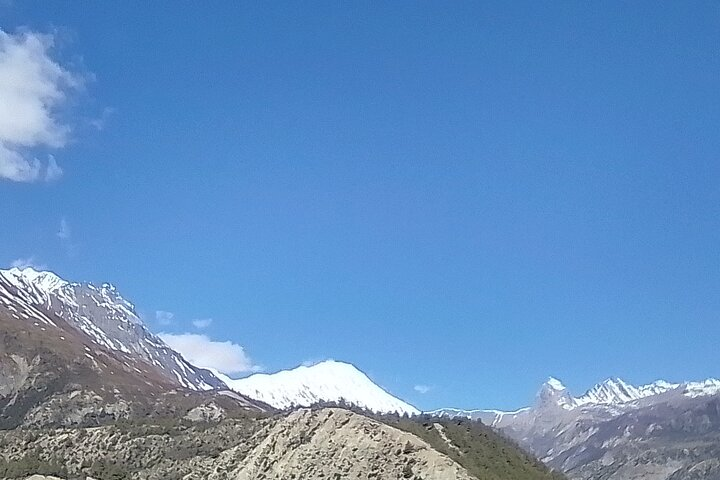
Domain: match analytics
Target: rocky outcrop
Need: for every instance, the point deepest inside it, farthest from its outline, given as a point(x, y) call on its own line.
point(336, 443)
point(209, 412)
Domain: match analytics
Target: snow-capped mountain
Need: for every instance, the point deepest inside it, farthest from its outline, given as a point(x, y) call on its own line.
point(611, 391)
point(616, 430)
point(615, 391)
point(329, 381)
point(102, 314)
point(613, 395)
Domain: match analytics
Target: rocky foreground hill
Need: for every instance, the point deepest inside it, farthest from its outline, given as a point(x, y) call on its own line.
point(324, 443)
point(87, 391)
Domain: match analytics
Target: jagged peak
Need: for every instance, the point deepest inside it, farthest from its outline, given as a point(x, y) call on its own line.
point(51, 281)
point(48, 282)
point(612, 390)
point(554, 394)
point(615, 383)
point(44, 279)
point(102, 314)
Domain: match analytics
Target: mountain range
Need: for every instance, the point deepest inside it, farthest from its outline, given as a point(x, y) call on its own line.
point(86, 390)
point(613, 395)
point(616, 430)
point(78, 355)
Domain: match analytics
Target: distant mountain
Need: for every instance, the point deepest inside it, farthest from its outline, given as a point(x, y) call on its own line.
point(612, 395)
point(102, 314)
point(324, 382)
point(615, 430)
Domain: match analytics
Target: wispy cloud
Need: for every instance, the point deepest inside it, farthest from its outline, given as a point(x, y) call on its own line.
point(99, 122)
point(422, 389)
point(30, 262)
point(64, 233)
point(33, 86)
point(53, 171)
point(225, 357)
point(202, 322)
point(163, 317)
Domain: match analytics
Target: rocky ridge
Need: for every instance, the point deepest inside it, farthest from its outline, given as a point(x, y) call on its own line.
point(101, 313)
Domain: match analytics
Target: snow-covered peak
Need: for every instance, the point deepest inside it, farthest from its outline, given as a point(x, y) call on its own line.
point(328, 381)
point(711, 386)
point(101, 313)
point(612, 391)
point(554, 394)
point(617, 392)
point(44, 280)
point(555, 384)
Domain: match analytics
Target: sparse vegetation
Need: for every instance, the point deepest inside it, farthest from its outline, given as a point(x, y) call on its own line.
point(481, 450)
point(31, 463)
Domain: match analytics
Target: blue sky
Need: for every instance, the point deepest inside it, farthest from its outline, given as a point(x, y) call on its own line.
point(469, 198)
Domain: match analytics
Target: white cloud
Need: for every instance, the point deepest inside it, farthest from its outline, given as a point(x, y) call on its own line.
point(32, 88)
point(163, 317)
point(200, 350)
point(28, 262)
point(422, 389)
point(202, 322)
